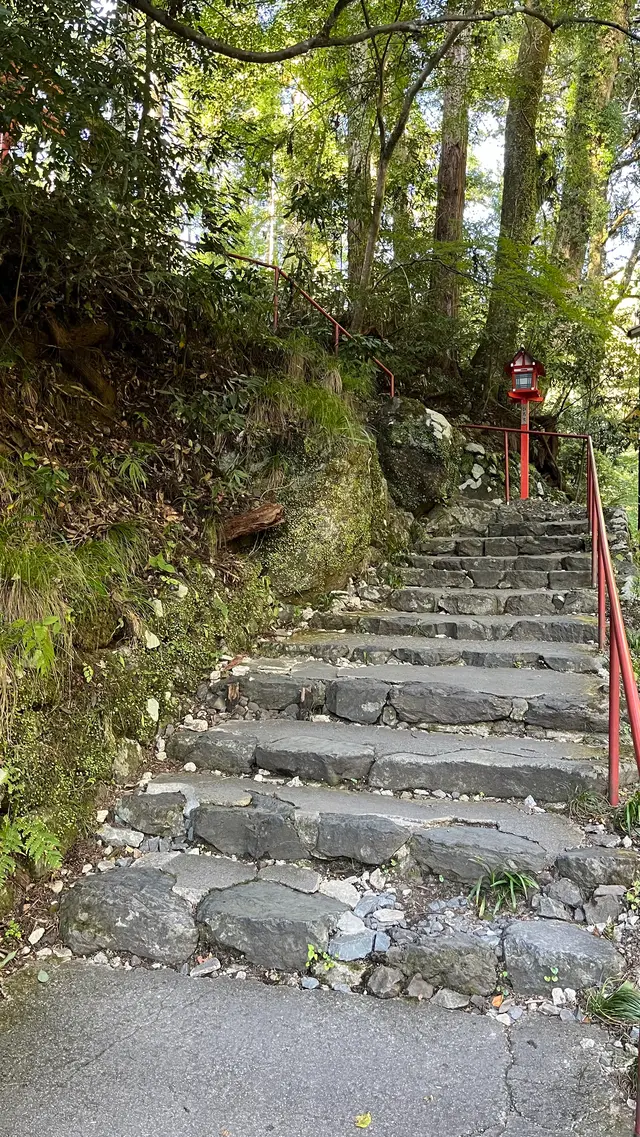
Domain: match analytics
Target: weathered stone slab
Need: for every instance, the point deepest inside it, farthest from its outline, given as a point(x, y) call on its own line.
point(251, 833)
point(128, 911)
point(195, 876)
point(303, 880)
point(467, 852)
point(358, 700)
point(543, 954)
point(213, 750)
point(270, 924)
point(120, 838)
point(454, 960)
point(367, 839)
point(437, 703)
point(159, 814)
point(489, 771)
point(592, 866)
point(319, 760)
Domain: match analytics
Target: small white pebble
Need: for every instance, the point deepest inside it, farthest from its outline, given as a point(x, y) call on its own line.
point(189, 767)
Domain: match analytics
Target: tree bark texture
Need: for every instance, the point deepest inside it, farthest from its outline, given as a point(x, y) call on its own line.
point(582, 220)
point(519, 205)
point(452, 177)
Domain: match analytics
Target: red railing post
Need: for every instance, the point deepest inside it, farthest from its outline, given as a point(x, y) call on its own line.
point(602, 599)
point(614, 719)
point(507, 495)
point(524, 450)
point(336, 337)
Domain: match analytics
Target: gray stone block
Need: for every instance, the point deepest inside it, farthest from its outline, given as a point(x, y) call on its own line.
point(541, 954)
point(195, 876)
point(591, 866)
point(455, 960)
point(319, 760)
point(270, 924)
point(385, 982)
point(465, 853)
point(128, 911)
point(357, 700)
point(368, 839)
point(161, 815)
point(303, 880)
point(252, 833)
point(213, 750)
point(422, 702)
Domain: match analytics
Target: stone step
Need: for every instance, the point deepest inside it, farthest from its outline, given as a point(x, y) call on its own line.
point(382, 758)
point(482, 576)
point(523, 545)
point(493, 601)
point(420, 650)
point(554, 629)
point(239, 817)
point(430, 696)
point(545, 527)
point(547, 562)
point(226, 1057)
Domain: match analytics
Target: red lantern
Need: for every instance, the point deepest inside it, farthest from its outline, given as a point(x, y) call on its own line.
point(524, 372)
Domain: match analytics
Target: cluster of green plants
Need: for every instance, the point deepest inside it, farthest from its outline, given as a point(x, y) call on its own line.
point(501, 887)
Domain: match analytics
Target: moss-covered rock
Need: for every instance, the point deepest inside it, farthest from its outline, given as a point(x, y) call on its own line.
point(419, 454)
point(335, 513)
point(59, 751)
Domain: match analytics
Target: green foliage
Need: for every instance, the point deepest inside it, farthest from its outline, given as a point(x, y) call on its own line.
point(626, 817)
point(615, 1003)
point(500, 887)
point(28, 837)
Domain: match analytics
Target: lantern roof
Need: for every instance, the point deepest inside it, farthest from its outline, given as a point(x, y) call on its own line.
point(523, 358)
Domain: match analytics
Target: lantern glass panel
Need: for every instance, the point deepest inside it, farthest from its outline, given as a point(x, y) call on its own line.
point(524, 380)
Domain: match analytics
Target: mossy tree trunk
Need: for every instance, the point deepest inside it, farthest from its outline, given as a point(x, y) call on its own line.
point(590, 151)
point(452, 177)
point(519, 205)
point(359, 187)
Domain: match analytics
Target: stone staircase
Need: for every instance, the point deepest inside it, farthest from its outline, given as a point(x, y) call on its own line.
point(332, 801)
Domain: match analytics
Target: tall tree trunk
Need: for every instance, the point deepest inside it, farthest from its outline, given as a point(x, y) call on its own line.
point(373, 232)
point(582, 220)
point(519, 204)
point(388, 142)
point(359, 186)
point(452, 177)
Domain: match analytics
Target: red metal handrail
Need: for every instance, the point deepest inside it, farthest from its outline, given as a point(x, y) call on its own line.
point(620, 662)
point(338, 329)
point(603, 578)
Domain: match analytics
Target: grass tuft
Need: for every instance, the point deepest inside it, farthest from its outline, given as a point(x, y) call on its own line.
point(501, 887)
point(615, 1003)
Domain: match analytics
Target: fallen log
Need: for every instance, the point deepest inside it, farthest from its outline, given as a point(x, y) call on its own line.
point(262, 517)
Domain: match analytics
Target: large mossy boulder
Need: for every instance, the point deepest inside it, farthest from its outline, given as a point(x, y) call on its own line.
point(339, 517)
point(419, 454)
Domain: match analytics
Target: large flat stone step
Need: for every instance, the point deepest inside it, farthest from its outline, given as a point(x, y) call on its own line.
point(515, 527)
point(547, 562)
point(522, 545)
point(482, 576)
point(230, 1057)
point(554, 629)
point(292, 823)
point(420, 650)
point(430, 696)
point(493, 601)
point(383, 758)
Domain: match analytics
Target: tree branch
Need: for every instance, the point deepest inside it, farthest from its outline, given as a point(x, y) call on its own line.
point(324, 39)
point(414, 90)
